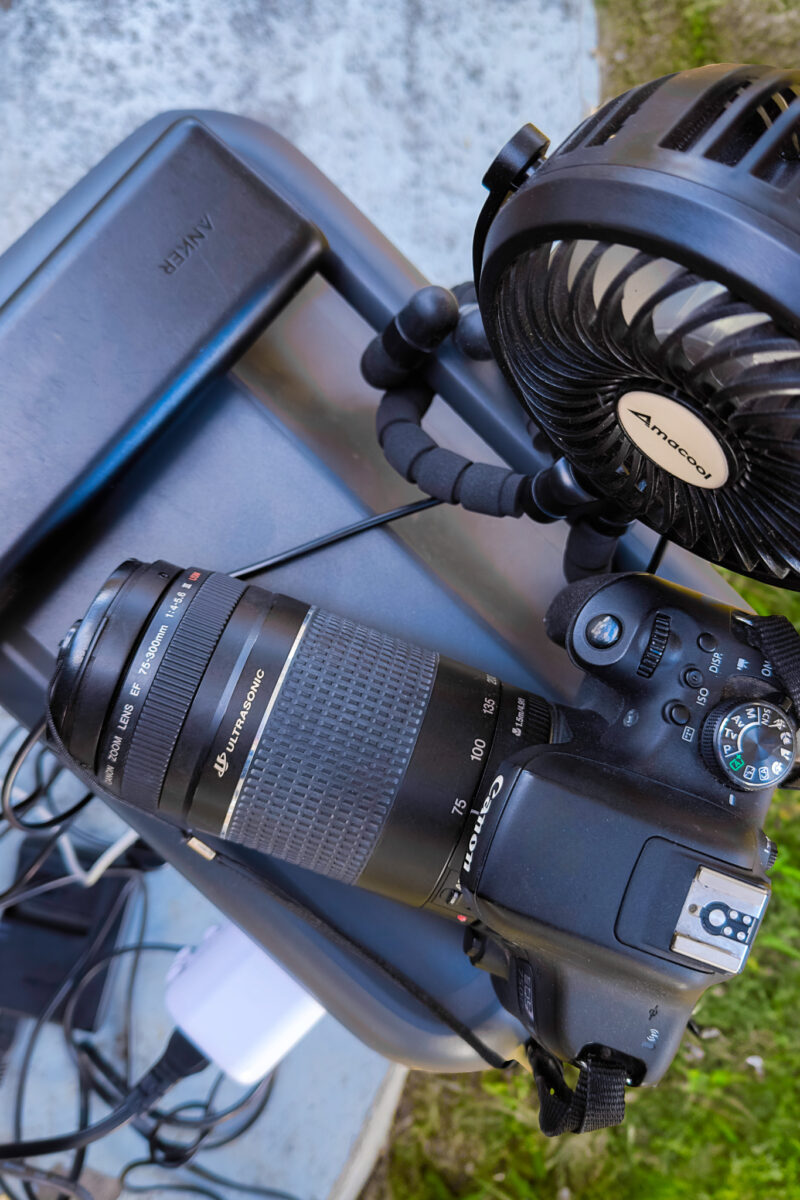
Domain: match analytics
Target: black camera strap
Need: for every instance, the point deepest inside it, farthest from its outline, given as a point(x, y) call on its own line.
point(597, 1102)
point(779, 642)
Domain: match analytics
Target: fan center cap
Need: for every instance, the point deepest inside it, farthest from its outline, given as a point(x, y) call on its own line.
point(674, 437)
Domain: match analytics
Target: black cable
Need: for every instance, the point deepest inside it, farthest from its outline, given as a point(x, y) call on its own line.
point(16, 888)
point(202, 1173)
point(252, 1104)
point(11, 810)
point(61, 993)
point(179, 1059)
point(163, 1153)
point(257, 1096)
point(38, 770)
point(20, 897)
point(253, 1189)
point(9, 1026)
point(210, 1118)
point(194, 1189)
point(39, 889)
point(13, 769)
point(31, 1174)
point(119, 1082)
point(329, 539)
point(84, 1097)
point(657, 555)
point(85, 1080)
point(77, 1138)
point(260, 1098)
point(339, 936)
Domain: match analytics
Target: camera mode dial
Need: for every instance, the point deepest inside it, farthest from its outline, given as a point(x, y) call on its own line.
point(750, 745)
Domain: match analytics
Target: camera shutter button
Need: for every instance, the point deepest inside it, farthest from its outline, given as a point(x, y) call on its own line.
point(604, 631)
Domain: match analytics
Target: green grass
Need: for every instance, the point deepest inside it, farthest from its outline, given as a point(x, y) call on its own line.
point(717, 1128)
point(642, 39)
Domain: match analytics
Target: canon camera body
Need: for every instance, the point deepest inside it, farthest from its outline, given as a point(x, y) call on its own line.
point(607, 860)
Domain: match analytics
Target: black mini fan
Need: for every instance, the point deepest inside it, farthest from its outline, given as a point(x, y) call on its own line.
point(641, 289)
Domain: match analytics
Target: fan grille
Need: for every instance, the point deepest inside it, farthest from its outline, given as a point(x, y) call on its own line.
point(583, 323)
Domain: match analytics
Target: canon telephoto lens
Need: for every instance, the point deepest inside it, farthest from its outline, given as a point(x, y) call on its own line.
point(249, 716)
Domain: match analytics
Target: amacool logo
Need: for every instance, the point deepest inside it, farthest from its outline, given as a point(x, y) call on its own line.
point(651, 425)
point(674, 437)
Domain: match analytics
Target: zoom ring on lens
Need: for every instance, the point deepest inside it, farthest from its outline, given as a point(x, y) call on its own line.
point(174, 687)
point(335, 748)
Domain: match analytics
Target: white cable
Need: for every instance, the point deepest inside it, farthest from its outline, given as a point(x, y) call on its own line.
point(109, 856)
point(88, 878)
point(67, 851)
point(99, 867)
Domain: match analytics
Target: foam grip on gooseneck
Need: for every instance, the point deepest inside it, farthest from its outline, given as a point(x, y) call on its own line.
point(480, 487)
point(438, 472)
point(410, 337)
point(400, 405)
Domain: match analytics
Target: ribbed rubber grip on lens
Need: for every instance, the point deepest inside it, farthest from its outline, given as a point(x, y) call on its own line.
point(335, 747)
point(174, 687)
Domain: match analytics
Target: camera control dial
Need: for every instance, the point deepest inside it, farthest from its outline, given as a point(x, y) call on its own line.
point(750, 745)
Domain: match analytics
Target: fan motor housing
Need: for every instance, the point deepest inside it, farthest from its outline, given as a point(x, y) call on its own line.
point(684, 406)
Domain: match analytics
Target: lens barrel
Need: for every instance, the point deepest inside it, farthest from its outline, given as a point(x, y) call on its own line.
point(247, 715)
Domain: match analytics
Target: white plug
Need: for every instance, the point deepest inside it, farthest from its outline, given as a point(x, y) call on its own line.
point(237, 1004)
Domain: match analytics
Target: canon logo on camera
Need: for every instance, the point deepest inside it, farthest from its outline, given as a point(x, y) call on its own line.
point(494, 790)
point(673, 437)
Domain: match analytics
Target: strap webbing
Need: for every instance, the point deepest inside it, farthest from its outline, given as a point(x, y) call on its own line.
point(597, 1102)
point(778, 640)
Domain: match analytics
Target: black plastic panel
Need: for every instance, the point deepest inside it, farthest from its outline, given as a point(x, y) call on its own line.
point(185, 259)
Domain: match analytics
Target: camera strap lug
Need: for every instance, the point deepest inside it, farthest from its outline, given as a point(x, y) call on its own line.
point(778, 640)
point(597, 1102)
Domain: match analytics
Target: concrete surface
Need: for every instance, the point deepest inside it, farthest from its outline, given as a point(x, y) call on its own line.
point(403, 104)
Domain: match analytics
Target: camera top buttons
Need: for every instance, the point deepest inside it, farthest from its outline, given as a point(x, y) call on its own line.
point(707, 642)
point(692, 677)
point(657, 644)
point(604, 631)
point(749, 745)
point(677, 713)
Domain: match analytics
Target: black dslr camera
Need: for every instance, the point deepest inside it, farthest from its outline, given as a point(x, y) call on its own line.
point(607, 860)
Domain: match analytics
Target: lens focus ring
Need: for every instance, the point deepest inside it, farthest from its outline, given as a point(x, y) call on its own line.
point(335, 747)
point(174, 688)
